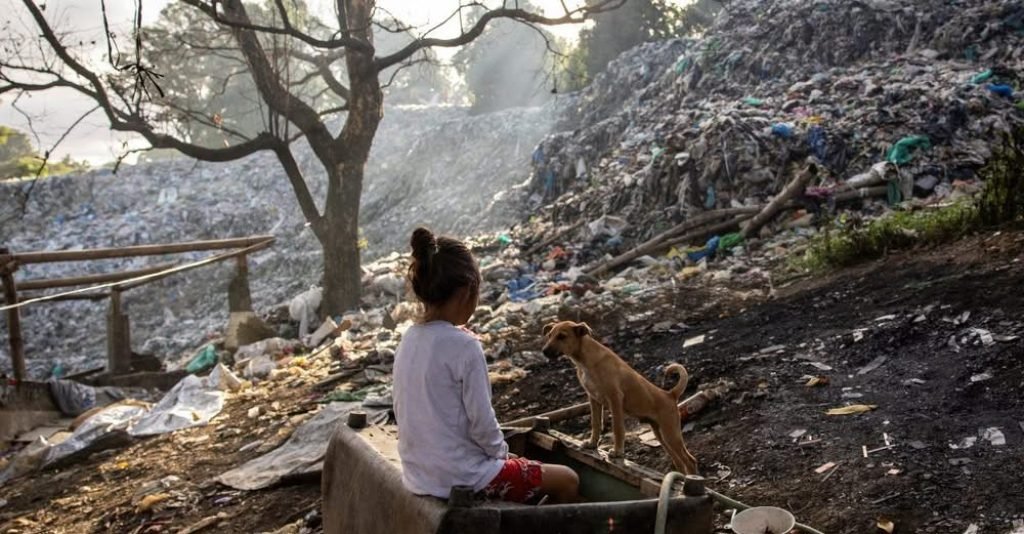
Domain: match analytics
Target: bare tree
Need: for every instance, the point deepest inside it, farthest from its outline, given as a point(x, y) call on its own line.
point(128, 94)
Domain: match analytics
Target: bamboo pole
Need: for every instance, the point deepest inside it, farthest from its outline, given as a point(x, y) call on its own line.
point(50, 283)
point(141, 250)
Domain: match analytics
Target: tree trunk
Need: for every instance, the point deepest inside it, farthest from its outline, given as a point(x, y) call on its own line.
point(339, 228)
point(342, 273)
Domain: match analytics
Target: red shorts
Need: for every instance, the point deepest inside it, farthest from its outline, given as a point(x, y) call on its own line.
point(518, 481)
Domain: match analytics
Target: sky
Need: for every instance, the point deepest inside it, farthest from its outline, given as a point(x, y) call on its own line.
point(52, 112)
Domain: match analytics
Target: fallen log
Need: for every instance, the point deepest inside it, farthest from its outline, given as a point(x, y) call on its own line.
point(706, 231)
point(795, 187)
point(865, 192)
point(655, 243)
point(702, 399)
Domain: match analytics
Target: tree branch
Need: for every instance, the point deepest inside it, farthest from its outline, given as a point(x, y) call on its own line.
point(337, 42)
point(279, 99)
point(323, 63)
point(301, 189)
point(123, 121)
point(574, 16)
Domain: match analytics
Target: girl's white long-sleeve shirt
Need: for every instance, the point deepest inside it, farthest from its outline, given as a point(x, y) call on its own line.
point(448, 434)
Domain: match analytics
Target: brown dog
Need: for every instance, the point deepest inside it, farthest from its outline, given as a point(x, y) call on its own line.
point(611, 383)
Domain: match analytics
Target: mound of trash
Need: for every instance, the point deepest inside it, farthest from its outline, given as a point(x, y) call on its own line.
point(430, 165)
point(896, 102)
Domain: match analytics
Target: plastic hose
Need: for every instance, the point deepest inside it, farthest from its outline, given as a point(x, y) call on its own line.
point(661, 517)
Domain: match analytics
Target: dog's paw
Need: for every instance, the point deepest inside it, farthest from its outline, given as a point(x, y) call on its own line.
point(615, 454)
point(590, 445)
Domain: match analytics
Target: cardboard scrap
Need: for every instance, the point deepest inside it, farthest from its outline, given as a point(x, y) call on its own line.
point(693, 341)
point(817, 381)
point(825, 467)
point(852, 409)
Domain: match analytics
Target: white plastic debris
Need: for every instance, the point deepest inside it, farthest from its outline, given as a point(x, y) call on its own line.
point(994, 436)
point(981, 377)
point(697, 340)
point(965, 443)
point(303, 308)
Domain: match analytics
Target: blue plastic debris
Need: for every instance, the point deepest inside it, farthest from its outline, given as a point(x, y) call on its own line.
point(782, 130)
point(1001, 89)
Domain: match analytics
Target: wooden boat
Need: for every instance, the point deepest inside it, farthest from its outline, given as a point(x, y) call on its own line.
point(363, 493)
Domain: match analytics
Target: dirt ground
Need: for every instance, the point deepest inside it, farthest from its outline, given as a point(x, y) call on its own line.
point(915, 309)
point(96, 495)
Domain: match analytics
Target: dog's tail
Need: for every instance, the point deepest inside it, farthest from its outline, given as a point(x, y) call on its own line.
point(684, 379)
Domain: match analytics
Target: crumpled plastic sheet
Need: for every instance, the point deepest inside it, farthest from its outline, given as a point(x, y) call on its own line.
point(303, 453)
point(191, 402)
point(73, 398)
point(114, 419)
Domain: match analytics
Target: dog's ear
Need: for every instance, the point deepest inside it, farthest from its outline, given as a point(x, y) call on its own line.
point(548, 328)
point(582, 329)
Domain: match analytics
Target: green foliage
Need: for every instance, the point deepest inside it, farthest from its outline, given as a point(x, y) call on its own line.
point(19, 159)
point(1002, 200)
point(508, 65)
point(846, 244)
point(571, 72)
point(639, 21)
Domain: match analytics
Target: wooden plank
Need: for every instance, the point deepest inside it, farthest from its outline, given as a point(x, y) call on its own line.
point(544, 441)
point(140, 250)
point(138, 281)
point(625, 470)
point(13, 323)
point(88, 280)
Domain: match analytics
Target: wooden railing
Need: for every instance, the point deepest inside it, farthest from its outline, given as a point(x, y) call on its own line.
point(105, 286)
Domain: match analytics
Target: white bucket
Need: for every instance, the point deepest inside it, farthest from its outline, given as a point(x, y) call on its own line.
point(763, 520)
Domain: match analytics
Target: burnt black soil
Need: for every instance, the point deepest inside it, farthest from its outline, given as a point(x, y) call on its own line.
point(919, 311)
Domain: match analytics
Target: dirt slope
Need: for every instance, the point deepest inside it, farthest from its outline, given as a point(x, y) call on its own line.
point(907, 305)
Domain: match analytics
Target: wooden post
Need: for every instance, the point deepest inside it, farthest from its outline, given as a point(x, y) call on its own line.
point(239, 298)
point(7, 267)
point(119, 351)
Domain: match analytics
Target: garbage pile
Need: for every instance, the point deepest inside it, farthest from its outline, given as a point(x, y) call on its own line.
point(895, 102)
point(426, 167)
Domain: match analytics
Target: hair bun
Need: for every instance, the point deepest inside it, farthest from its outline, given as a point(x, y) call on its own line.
point(424, 244)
